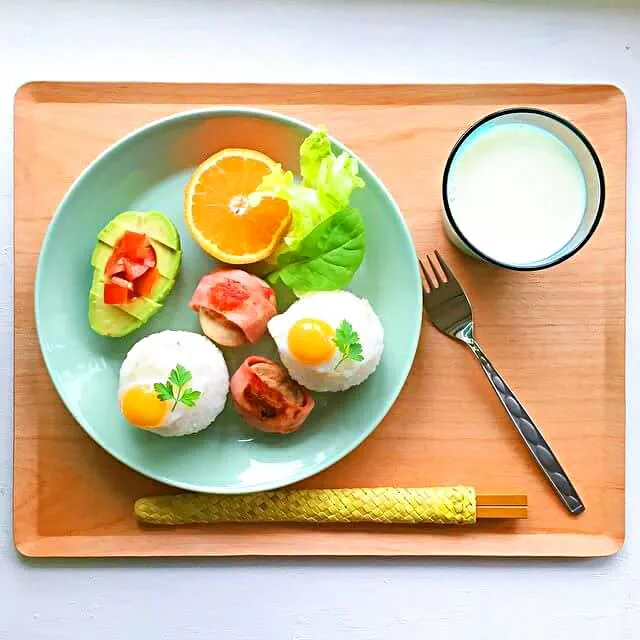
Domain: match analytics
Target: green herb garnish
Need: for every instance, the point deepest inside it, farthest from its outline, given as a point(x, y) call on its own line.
point(174, 388)
point(348, 342)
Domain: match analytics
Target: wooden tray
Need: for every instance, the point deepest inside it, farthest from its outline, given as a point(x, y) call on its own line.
point(558, 337)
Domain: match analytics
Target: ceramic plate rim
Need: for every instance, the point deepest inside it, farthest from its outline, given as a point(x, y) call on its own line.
point(309, 470)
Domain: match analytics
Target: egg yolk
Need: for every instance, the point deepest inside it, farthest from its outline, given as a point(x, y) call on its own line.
point(141, 407)
point(311, 341)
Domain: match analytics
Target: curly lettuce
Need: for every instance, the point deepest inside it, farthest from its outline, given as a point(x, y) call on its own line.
point(326, 185)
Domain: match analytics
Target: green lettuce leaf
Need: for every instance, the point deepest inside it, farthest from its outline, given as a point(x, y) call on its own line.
point(306, 210)
point(315, 148)
point(325, 259)
point(328, 182)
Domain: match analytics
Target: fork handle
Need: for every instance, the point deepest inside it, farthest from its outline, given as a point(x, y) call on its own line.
point(531, 435)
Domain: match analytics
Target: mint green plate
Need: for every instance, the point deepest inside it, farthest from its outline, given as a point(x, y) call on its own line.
point(148, 170)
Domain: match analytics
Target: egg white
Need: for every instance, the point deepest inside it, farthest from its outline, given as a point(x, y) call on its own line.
point(151, 360)
point(333, 307)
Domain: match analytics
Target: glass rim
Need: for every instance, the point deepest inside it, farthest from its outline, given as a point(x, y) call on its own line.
point(545, 114)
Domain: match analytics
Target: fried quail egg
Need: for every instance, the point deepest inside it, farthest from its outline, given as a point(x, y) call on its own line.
point(305, 335)
point(151, 361)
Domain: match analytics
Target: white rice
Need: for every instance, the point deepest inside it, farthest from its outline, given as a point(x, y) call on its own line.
point(151, 360)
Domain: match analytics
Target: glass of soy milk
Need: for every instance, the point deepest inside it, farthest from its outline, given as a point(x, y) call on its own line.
point(523, 189)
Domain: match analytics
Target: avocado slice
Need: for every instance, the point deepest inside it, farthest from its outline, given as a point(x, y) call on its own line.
point(109, 319)
point(120, 320)
point(141, 308)
point(153, 224)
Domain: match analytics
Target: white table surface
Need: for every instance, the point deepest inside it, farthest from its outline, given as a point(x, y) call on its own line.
point(330, 41)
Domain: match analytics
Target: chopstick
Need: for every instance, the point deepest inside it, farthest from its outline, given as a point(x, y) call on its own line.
point(503, 506)
point(426, 505)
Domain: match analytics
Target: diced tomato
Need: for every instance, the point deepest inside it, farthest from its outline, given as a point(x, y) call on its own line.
point(150, 261)
point(130, 243)
point(115, 293)
point(122, 282)
point(145, 254)
point(143, 285)
point(114, 266)
point(227, 294)
point(131, 266)
point(133, 270)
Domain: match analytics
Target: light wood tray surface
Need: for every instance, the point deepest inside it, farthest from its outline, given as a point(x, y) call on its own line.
point(557, 336)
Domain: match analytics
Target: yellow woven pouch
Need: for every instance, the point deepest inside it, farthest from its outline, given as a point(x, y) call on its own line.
point(438, 505)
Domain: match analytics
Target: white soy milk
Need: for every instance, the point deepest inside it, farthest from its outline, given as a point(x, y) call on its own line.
point(516, 192)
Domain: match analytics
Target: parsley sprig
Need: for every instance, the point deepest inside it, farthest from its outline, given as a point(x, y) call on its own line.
point(348, 342)
point(174, 388)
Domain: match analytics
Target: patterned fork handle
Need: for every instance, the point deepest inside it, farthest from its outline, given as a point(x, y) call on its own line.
point(531, 435)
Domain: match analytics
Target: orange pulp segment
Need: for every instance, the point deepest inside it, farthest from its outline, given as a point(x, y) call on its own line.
point(224, 218)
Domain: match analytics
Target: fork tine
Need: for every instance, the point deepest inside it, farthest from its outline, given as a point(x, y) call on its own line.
point(443, 265)
point(435, 271)
point(426, 275)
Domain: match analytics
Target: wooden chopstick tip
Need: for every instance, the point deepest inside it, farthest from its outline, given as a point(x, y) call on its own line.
point(505, 499)
point(502, 513)
point(502, 506)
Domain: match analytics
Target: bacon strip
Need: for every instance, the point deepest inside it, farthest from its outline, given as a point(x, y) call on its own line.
point(267, 398)
point(238, 301)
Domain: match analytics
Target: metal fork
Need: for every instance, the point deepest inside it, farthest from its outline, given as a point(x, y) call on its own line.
point(450, 312)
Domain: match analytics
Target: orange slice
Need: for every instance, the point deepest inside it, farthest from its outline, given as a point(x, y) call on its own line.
point(224, 218)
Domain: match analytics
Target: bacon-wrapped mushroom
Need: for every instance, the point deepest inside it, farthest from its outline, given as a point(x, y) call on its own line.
point(267, 398)
point(233, 306)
